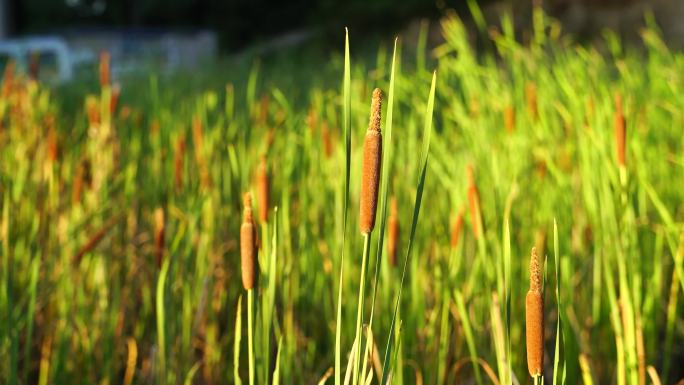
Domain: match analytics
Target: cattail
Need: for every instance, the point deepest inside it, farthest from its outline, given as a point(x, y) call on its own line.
point(534, 318)
point(327, 139)
point(78, 185)
point(178, 159)
point(509, 119)
point(393, 232)
point(104, 69)
point(620, 130)
point(263, 109)
point(531, 97)
point(34, 65)
point(248, 245)
point(473, 201)
point(159, 227)
point(456, 229)
point(52, 146)
point(198, 138)
point(312, 120)
point(154, 127)
point(263, 190)
point(114, 98)
point(8, 79)
point(94, 240)
point(370, 172)
point(93, 110)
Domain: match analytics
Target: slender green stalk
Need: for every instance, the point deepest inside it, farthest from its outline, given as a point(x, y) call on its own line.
point(360, 307)
point(161, 322)
point(250, 334)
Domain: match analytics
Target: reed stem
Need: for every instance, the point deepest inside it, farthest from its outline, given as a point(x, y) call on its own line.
point(250, 333)
point(359, 310)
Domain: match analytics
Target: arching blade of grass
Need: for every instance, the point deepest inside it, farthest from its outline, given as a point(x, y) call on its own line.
point(35, 268)
point(414, 222)
point(558, 357)
point(346, 117)
point(161, 323)
point(468, 331)
point(9, 278)
point(191, 373)
point(276, 371)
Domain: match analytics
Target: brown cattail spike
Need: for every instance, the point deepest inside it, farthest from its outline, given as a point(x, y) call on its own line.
point(104, 69)
point(159, 227)
point(263, 190)
point(509, 119)
point(473, 201)
point(248, 249)
point(114, 99)
point(327, 140)
point(534, 318)
point(456, 229)
point(531, 97)
point(370, 172)
point(393, 232)
point(178, 161)
point(620, 131)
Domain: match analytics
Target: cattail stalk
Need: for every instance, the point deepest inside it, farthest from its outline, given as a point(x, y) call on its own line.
point(94, 240)
point(104, 69)
point(534, 318)
point(198, 138)
point(327, 140)
point(509, 119)
point(456, 229)
point(620, 131)
point(263, 190)
point(178, 161)
point(263, 109)
point(473, 201)
point(248, 243)
point(393, 232)
point(114, 99)
point(370, 181)
point(248, 256)
point(52, 145)
point(8, 79)
point(370, 172)
point(159, 229)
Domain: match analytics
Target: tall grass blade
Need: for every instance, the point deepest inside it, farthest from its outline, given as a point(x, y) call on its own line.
point(414, 222)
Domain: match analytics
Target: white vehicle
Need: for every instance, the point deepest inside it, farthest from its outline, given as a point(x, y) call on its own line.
point(48, 58)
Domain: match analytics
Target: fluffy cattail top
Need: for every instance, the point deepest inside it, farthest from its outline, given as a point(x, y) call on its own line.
point(104, 69)
point(159, 226)
point(534, 318)
point(393, 232)
point(370, 172)
point(263, 190)
point(248, 245)
point(620, 131)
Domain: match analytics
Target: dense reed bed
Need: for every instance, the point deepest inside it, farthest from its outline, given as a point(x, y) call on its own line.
point(132, 251)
